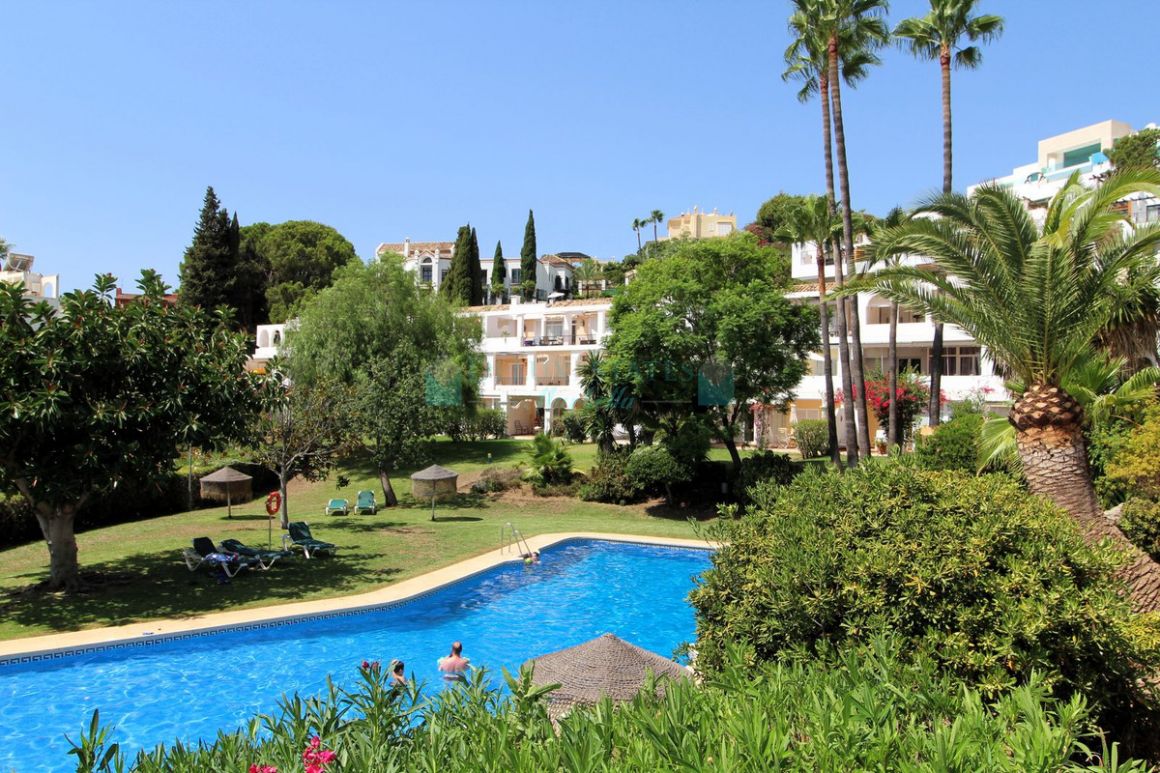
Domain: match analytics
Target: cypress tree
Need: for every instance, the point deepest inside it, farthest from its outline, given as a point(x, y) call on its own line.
point(476, 272)
point(209, 260)
point(528, 259)
point(456, 286)
point(498, 272)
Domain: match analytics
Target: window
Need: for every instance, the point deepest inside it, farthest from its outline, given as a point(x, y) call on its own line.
point(880, 315)
point(425, 272)
point(960, 361)
point(515, 276)
point(1080, 155)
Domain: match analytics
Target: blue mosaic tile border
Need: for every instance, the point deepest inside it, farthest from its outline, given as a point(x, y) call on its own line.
point(152, 641)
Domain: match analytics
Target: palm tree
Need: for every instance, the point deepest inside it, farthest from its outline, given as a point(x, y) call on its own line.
point(597, 413)
point(813, 222)
point(937, 36)
point(656, 217)
point(853, 28)
point(807, 60)
point(1038, 298)
point(587, 273)
point(638, 224)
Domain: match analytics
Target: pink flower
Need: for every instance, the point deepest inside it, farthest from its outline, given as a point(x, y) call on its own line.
point(263, 769)
point(315, 757)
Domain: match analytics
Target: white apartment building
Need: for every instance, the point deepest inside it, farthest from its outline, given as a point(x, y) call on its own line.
point(17, 269)
point(430, 262)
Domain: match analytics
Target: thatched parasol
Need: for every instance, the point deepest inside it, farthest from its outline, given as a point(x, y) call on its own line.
point(228, 484)
point(605, 666)
point(432, 482)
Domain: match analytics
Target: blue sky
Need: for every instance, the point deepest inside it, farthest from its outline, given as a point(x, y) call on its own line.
point(389, 120)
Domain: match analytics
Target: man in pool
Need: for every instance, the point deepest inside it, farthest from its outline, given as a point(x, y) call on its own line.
point(454, 666)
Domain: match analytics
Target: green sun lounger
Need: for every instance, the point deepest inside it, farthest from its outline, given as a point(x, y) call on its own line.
point(264, 557)
point(301, 538)
point(365, 504)
point(338, 507)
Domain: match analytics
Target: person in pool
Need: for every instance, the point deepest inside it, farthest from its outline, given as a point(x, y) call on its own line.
point(398, 679)
point(454, 666)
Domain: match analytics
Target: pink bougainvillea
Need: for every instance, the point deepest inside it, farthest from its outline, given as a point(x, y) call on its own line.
point(912, 395)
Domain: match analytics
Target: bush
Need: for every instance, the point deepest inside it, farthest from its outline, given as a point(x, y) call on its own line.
point(574, 428)
point(654, 470)
point(765, 466)
point(864, 711)
point(1135, 465)
point(1105, 439)
point(551, 463)
point(1140, 522)
point(813, 437)
point(952, 446)
point(481, 424)
point(991, 583)
point(610, 482)
point(495, 479)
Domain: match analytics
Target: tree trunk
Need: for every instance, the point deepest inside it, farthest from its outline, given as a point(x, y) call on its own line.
point(638, 244)
point(285, 500)
point(1050, 439)
point(863, 429)
point(827, 364)
point(389, 498)
point(731, 444)
point(57, 524)
point(839, 278)
point(189, 482)
point(893, 435)
point(934, 410)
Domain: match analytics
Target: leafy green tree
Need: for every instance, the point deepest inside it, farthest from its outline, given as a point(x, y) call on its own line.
point(498, 274)
point(810, 220)
point(774, 213)
point(1137, 151)
point(405, 353)
point(94, 395)
point(305, 429)
point(707, 329)
point(302, 256)
point(207, 268)
point(808, 61)
point(939, 36)
point(528, 259)
point(1038, 298)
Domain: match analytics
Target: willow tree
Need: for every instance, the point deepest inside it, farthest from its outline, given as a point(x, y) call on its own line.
point(1038, 298)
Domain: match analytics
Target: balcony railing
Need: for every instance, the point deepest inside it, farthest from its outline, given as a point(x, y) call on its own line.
point(551, 381)
point(574, 339)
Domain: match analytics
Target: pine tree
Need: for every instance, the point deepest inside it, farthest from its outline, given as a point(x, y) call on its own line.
point(476, 272)
point(498, 273)
point(456, 286)
point(528, 260)
point(208, 262)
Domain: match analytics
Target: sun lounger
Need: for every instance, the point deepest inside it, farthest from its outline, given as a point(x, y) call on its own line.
point(205, 553)
point(365, 504)
point(264, 557)
point(338, 507)
point(300, 537)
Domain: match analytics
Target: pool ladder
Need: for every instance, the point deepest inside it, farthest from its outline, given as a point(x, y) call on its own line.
point(510, 537)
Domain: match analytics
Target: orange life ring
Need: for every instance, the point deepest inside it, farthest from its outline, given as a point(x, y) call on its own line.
point(273, 503)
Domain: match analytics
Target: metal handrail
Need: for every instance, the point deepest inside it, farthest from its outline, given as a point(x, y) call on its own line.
point(510, 537)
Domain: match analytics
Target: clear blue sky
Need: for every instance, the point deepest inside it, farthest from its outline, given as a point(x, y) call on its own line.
point(409, 119)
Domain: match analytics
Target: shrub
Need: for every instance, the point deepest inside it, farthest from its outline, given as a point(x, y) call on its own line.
point(551, 463)
point(574, 428)
point(495, 479)
point(654, 470)
point(952, 446)
point(812, 436)
point(867, 710)
point(1140, 522)
point(1135, 464)
point(481, 424)
point(992, 583)
point(610, 482)
point(766, 466)
point(1105, 439)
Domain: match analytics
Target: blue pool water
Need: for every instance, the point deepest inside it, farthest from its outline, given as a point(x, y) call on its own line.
point(189, 688)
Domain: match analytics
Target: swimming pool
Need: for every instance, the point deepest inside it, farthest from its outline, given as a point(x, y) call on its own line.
point(191, 686)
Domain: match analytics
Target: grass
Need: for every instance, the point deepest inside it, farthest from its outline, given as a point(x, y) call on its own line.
point(139, 573)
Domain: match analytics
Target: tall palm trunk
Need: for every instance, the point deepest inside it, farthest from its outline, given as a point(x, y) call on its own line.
point(858, 373)
point(843, 339)
point(1048, 427)
point(638, 244)
point(893, 435)
point(827, 365)
point(934, 410)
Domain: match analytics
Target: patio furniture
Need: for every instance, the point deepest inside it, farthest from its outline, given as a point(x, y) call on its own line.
point(365, 503)
point(205, 553)
point(300, 537)
point(264, 557)
point(338, 507)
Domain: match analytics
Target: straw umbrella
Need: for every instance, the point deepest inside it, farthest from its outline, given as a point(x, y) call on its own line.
point(432, 482)
point(603, 667)
point(228, 482)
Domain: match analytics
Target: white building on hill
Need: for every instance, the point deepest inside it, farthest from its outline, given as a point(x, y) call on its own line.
point(17, 269)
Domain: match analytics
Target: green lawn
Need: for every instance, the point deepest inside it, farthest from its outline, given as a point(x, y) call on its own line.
point(141, 575)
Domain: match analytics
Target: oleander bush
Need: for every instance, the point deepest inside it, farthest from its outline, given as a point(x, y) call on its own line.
point(765, 466)
point(952, 446)
point(863, 710)
point(609, 480)
point(992, 584)
point(812, 437)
